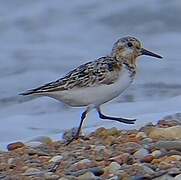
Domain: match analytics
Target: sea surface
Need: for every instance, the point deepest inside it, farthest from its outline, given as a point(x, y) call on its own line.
point(42, 40)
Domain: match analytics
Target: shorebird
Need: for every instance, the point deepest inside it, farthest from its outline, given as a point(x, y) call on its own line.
point(97, 82)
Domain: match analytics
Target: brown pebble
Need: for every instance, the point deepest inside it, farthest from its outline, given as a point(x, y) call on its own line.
point(147, 159)
point(14, 146)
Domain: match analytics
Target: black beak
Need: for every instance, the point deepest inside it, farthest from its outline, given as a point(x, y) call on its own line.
point(149, 53)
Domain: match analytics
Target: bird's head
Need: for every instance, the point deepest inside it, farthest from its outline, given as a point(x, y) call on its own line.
point(128, 49)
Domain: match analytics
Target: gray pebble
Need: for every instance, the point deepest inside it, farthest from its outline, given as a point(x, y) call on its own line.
point(88, 176)
point(168, 145)
point(51, 176)
point(56, 159)
point(33, 172)
point(114, 178)
point(32, 151)
point(97, 171)
point(178, 177)
point(141, 153)
point(113, 167)
point(164, 177)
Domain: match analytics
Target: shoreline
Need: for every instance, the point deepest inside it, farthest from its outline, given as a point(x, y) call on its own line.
point(152, 152)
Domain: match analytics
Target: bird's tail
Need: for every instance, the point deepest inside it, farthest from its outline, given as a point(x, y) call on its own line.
point(29, 92)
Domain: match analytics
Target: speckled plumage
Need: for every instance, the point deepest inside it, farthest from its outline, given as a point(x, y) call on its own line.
point(97, 82)
point(104, 70)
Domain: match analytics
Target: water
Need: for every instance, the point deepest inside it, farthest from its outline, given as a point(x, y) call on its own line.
point(41, 40)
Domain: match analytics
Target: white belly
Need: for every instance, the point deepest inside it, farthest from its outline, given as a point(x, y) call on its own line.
point(94, 95)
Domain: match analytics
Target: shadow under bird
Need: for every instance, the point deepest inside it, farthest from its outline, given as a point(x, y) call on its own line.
point(97, 82)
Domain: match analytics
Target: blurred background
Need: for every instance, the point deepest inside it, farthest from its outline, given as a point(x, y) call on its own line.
point(41, 40)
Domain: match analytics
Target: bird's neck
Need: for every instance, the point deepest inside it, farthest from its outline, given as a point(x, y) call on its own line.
point(130, 62)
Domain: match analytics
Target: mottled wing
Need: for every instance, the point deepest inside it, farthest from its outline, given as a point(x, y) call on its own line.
point(101, 71)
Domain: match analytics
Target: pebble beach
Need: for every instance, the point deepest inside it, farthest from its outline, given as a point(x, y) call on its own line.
point(152, 152)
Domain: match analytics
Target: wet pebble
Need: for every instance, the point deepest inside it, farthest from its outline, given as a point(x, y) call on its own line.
point(15, 145)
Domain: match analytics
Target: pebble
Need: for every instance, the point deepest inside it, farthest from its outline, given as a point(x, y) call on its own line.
point(114, 178)
point(68, 178)
point(113, 167)
point(68, 134)
point(164, 177)
point(63, 178)
point(109, 154)
point(147, 159)
point(170, 133)
point(178, 177)
point(87, 176)
point(131, 147)
point(141, 135)
point(38, 152)
point(41, 139)
point(82, 164)
point(33, 144)
point(12, 162)
point(51, 176)
point(84, 161)
point(168, 145)
point(176, 157)
point(174, 171)
point(97, 171)
point(147, 141)
point(56, 159)
point(156, 153)
point(100, 147)
point(147, 170)
point(141, 153)
point(32, 171)
point(15, 145)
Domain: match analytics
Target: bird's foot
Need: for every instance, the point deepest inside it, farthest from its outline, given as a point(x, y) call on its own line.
point(122, 120)
point(126, 121)
point(76, 138)
point(71, 140)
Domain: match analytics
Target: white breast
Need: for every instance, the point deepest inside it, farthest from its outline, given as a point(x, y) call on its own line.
point(94, 95)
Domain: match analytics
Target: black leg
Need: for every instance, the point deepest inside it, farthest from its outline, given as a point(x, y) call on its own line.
point(83, 116)
point(123, 120)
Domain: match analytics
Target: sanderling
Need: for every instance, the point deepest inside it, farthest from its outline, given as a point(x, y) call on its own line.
point(97, 82)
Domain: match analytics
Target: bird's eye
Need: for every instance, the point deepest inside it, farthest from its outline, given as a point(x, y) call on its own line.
point(130, 44)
